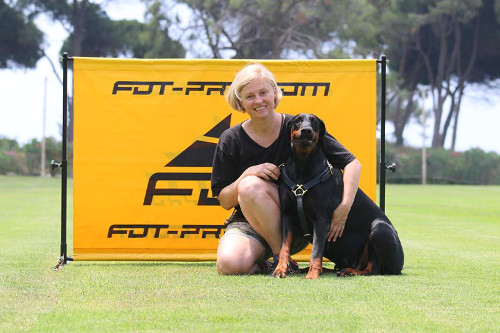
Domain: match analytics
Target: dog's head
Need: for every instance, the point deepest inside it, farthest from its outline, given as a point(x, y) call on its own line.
point(306, 130)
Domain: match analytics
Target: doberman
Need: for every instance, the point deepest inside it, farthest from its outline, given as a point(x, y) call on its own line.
point(369, 244)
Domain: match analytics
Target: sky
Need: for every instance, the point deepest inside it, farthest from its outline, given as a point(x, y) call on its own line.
point(27, 94)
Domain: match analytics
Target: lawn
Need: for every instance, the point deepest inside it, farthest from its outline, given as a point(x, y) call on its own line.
point(450, 235)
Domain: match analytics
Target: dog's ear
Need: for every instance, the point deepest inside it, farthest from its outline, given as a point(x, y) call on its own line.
point(290, 122)
point(322, 130)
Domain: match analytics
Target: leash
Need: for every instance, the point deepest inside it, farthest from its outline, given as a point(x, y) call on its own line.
point(300, 189)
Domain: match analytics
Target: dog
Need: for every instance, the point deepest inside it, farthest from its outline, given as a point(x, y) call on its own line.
point(310, 190)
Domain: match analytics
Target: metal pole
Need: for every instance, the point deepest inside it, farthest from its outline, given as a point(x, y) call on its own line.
point(424, 137)
point(64, 163)
point(43, 148)
point(383, 62)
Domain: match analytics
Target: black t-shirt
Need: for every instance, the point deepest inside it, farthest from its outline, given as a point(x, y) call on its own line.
point(236, 152)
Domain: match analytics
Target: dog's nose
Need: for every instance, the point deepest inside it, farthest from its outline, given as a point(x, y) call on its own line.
point(306, 133)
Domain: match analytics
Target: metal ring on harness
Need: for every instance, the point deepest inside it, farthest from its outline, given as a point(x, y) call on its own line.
point(298, 190)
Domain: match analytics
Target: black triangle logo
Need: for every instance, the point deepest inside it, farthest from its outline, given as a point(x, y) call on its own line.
point(201, 153)
point(217, 130)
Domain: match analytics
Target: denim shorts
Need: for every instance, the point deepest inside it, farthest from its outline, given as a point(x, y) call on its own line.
point(245, 229)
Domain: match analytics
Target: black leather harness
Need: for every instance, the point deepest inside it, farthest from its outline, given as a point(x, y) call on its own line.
point(300, 189)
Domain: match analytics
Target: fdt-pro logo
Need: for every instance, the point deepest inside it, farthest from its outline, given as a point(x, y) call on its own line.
point(199, 154)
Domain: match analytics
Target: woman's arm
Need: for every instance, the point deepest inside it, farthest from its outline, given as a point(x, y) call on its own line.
point(352, 172)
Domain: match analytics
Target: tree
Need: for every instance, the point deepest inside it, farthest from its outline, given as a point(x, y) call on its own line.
point(151, 39)
point(439, 43)
point(443, 44)
point(383, 28)
point(20, 39)
point(9, 151)
point(93, 34)
point(258, 29)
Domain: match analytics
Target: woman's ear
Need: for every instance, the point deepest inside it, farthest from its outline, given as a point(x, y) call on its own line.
point(275, 97)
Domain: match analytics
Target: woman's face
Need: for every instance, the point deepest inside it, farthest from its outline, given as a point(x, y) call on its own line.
point(257, 98)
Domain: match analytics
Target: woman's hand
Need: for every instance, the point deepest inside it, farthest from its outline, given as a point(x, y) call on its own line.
point(265, 171)
point(352, 171)
point(338, 222)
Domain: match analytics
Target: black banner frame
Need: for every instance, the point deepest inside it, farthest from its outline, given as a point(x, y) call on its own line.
point(63, 259)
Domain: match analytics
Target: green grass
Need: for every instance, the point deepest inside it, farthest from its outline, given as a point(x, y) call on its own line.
point(450, 234)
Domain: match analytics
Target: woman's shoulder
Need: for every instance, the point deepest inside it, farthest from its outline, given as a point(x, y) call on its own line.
point(231, 137)
point(286, 119)
point(232, 131)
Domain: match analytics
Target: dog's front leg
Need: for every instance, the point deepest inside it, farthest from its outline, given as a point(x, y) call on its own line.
point(284, 255)
point(318, 248)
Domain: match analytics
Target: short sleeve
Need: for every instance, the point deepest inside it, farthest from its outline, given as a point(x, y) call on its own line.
point(224, 166)
point(336, 153)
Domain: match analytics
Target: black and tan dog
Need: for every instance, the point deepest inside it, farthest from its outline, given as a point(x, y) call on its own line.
point(310, 191)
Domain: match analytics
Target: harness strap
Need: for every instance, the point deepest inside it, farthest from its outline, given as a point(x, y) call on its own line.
point(300, 189)
point(302, 218)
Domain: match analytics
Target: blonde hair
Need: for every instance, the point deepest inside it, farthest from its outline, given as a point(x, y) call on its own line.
point(247, 74)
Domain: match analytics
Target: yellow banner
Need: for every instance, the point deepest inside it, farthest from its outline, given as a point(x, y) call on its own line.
point(144, 136)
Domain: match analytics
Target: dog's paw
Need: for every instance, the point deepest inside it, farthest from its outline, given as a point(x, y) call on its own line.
point(313, 273)
point(279, 274)
point(346, 272)
point(280, 271)
point(343, 273)
point(313, 276)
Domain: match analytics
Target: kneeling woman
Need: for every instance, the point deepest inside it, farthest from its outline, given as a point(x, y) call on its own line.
point(245, 172)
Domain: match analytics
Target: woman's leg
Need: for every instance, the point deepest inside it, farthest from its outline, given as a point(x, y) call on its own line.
point(238, 254)
point(259, 202)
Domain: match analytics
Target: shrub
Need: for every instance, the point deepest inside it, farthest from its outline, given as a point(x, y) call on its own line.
point(473, 166)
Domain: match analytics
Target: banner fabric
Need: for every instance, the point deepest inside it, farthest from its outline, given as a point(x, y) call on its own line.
point(144, 136)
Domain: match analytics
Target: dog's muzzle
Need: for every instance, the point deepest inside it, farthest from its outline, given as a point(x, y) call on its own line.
point(305, 137)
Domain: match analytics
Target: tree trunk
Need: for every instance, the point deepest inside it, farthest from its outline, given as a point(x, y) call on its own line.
point(455, 120)
point(78, 21)
point(402, 115)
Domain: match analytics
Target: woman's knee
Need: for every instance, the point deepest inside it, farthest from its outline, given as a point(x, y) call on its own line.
point(231, 265)
point(249, 188)
point(238, 254)
point(253, 188)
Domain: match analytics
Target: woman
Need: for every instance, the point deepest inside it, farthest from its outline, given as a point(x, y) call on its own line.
point(245, 173)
